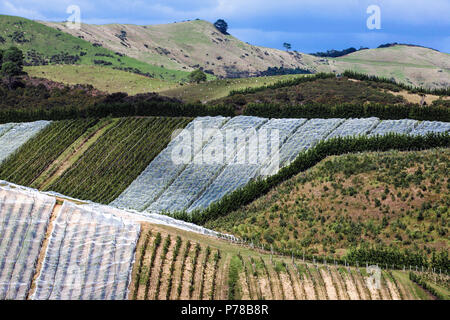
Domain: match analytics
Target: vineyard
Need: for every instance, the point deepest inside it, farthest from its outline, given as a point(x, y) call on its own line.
point(24, 220)
point(99, 252)
point(175, 266)
point(30, 161)
point(117, 158)
point(13, 136)
point(167, 187)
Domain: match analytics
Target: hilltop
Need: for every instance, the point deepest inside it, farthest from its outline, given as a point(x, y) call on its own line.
point(193, 44)
point(43, 46)
point(189, 45)
point(412, 65)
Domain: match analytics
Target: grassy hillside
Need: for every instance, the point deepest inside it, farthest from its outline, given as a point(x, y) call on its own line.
point(189, 45)
point(217, 89)
point(178, 265)
point(44, 45)
point(102, 78)
point(415, 66)
point(395, 199)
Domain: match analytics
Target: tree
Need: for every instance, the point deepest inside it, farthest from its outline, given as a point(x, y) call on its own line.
point(1, 58)
point(12, 64)
point(197, 76)
point(222, 26)
point(14, 55)
point(287, 46)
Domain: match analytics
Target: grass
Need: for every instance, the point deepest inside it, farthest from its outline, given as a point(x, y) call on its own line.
point(102, 78)
point(47, 42)
point(216, 89)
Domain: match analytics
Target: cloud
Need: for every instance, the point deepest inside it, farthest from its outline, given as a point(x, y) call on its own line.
point(265, 22)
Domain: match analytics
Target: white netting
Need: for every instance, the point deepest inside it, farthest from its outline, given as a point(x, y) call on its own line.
point(5, 128)
point(307, 136)
point(24, 217)
point(207, 165)
point(235, 175)
point(162, 170)
point(403, 126)
point(431, 126)
point(16, 136)
point(355, 127)
point(198, 184)
point(89, 256)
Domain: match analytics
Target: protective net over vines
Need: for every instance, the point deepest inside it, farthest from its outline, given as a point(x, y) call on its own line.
point(13, 136)
point(199, 173)
point(219, 163)
point(24, 217)
point(248, 161)
point(162, 170)
point(89, 256)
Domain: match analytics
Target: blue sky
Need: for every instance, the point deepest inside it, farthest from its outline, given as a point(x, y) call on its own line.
point(309, 25)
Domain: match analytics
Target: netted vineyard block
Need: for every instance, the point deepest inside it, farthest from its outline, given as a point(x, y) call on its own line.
point(24, 217)
point(403, 126)
point(14, 137)
point(206, 165)
point(89, 257)
point(162, 170)
point(431, 126)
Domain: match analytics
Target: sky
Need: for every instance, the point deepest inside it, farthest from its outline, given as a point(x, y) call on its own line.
point(308, 25)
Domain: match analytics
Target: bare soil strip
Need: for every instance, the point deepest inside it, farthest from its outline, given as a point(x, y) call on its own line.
point(253, 279)
point(208, 278)
point(44, 246)
point(288, 287)
point(340, 284)
point(392, 289)
point(299, 292)
point(71, 155)
point(138, 256)
point(352, 289)
point(188, 268)
point(331, 291)
point(362, 286)
point(198, 274)
point(165, 271)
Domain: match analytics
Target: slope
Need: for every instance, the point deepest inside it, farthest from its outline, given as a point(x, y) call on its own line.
point(189, 45)
point(398, 200)
point(413, 65)
point(44, 45)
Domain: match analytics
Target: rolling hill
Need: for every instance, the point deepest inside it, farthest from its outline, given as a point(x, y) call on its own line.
point(412, 65)
point(192, 44)
point(43, 45)
point(189, 45)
